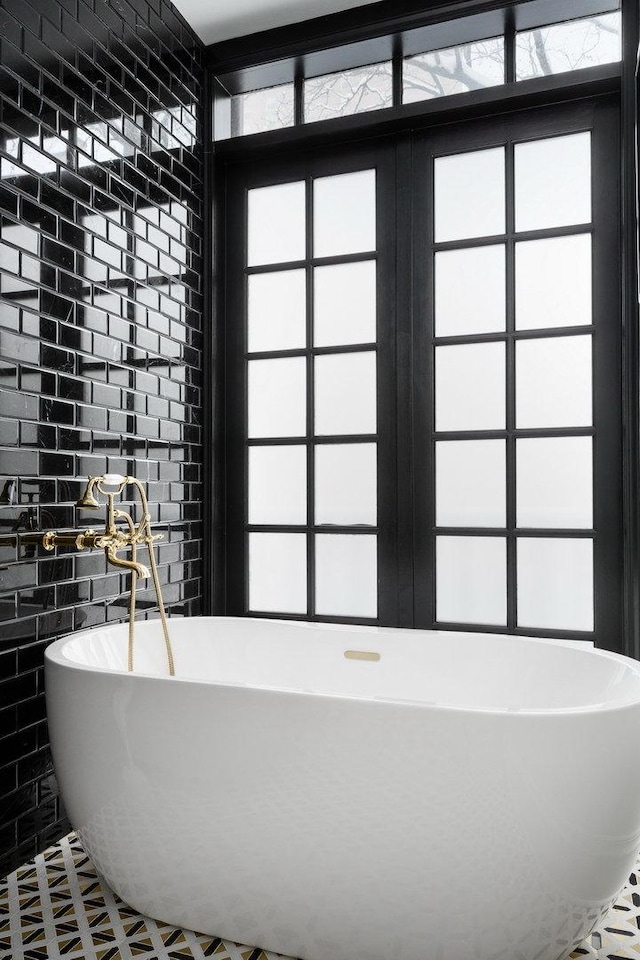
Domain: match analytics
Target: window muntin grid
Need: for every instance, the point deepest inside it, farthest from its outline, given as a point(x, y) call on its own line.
point(406, 329)
point(312, 536)
point(499, 389)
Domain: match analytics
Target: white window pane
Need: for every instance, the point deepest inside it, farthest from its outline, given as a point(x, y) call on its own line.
point(277, 398)
point(259, 110)
point(555, 482)
point(553, 382)
point(344, 213)
point(470, 483)
point(469, 195)
point(553, 282)
point(470, 387)
point(278, 484)
point(568, 46)
point(277, 310)
point(346, 575)
point(345, 304)
point(471, 580)
point(278, 572)
point(440, 73)
point(284, 205)
point(347, 92)
point(555, 583)
point(346, 483)
point(553, 182)
point(345, 393)
point(470, 291)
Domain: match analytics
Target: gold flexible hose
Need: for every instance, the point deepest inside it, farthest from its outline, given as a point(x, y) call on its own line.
point(146, 525)
point(163, 615)
point(121, 514)
point(132, 611)
point(148, 539)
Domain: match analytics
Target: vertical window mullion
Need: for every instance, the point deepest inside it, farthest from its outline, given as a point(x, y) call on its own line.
point(509, 47)
point(430, 396)
point(298, 100)
point(311, 545)
point(396, 67)
point(510, 382)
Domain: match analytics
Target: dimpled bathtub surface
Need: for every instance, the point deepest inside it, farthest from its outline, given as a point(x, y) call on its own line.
point(325, 793)
point(58, 906)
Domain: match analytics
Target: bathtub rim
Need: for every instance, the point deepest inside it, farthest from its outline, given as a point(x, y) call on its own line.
point(54, 654)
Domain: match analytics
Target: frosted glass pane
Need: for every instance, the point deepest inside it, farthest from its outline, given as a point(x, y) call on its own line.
point(277, 398)
point(347, 92)
point(470, 291)
point(555, 583)
point(344, 213)
point(277, 310)
point(568, 46)
point(470, 387)
point(346, 483)
point(471, 580)
point(346, 575)
point(553, 382)
point(278, 484)
point(469, 195)
point(283, 205)
point(345, 304)
point(555, 482)
point(553, 182)
point(553, 282)
point(345, 393)
point(259, 110)
point(470, 483)
point(278, 572)
point(441, 73)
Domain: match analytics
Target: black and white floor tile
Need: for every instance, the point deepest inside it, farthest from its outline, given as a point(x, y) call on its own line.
point(56, 908)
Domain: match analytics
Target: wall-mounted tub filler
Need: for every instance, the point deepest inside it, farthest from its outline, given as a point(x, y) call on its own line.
point(114, 539)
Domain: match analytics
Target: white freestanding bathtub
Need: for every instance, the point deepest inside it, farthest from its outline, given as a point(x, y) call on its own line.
point(463, 797)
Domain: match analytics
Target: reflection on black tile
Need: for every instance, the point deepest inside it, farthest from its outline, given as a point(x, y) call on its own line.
point(84, 383)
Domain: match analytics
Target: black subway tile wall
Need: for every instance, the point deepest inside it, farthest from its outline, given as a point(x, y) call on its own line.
point(101, 195)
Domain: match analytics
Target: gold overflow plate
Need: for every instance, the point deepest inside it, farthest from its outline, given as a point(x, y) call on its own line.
point(361, 655)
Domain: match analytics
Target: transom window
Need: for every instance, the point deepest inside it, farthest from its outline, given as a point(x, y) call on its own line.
point(440, 60)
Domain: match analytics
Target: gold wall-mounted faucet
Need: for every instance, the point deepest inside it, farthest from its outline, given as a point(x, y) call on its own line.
point(114, 539)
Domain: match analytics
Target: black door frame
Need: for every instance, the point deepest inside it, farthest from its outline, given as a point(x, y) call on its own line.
point(404, 553)
point(380, 156)
point(602, 118)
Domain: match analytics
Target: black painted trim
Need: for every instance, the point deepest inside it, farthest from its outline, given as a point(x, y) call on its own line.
point(631, 339)
point(493, 101)
point(374, 26)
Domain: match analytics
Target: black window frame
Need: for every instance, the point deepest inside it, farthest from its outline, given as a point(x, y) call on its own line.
point(601, 118)
point(247, 54)
point(239, 182)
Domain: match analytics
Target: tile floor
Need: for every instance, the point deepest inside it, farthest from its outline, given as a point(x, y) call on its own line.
point(56, 908)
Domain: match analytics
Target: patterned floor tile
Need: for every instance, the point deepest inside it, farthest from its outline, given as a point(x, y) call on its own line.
point(56, 908)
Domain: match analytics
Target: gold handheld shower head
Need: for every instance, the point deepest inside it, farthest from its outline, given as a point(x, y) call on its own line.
point(87, 500)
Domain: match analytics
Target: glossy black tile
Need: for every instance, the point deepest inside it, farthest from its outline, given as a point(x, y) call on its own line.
point(101, 205)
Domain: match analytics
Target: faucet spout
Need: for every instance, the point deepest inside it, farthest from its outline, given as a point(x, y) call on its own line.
point(116, 561)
